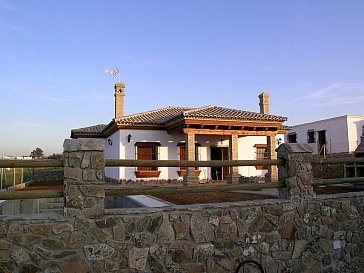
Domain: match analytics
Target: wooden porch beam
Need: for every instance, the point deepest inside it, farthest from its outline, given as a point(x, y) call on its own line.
point(228, 132)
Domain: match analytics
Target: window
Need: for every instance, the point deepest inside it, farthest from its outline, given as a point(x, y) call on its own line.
point(147, 151)
point(311, 136)
point(292, 138)
point(183, 152)
point(261, 152)
point(183, 156)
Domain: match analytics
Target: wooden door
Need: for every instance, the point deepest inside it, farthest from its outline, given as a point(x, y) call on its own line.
point(219, 153)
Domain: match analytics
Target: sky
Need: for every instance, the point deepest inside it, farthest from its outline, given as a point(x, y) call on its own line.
point(308, 55)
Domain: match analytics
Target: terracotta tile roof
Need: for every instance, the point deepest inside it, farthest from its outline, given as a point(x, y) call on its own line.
point(216, 112)
point(91, 130)
point(164, 116)
point(160, 117)
point(155, 118)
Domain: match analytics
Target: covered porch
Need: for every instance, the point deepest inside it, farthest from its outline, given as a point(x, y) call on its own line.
point(230, 132)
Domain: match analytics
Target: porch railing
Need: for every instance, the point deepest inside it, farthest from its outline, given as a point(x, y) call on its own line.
point(31, 194)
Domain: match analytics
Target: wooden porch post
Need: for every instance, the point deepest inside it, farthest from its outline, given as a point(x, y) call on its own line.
point(233, 176)
point(190, 177)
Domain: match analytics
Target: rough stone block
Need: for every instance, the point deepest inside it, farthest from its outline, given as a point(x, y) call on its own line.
point(27, 240)
point(74, 201)
point(89, 175)
point(74, 174)
point(97, 161)
point(201, 230)
point(14, 228)
point(227, 264)
point(86, 160)
point(4, 245)
point(106, 222)
point(203, 252)
point(193, 267)
point(98, 234)
point(120, 246)
point(166, 232)
point(272, 237)
point(93, 190)
point(138, 258)
point(45, 229)
point(60, 228)
point(78, 240)
point(89, 202)
point(98, 252)
point(95, 212)
point(119, 232)
point(144, 239)
point(181, 230)
point(75, 265)
point(75, 159)
point(20, 256)
point(72, 212)
point(2, 231)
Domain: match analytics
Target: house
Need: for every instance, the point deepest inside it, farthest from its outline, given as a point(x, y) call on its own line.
point(185, 133)
point(338, 136)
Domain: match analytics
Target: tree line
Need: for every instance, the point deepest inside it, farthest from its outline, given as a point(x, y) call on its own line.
point(39, 154)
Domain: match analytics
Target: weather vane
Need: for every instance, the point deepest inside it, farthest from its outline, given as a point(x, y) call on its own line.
point(114, 72)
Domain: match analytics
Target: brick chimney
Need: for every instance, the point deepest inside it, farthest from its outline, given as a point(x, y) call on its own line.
point(119, 100)
point(264, 103)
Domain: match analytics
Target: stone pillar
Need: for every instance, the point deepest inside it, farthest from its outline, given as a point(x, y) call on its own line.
point(190, 177)
point(297, 172)
point(84, 174)
point(119, 100)
point(233, 176)
point(271, 154)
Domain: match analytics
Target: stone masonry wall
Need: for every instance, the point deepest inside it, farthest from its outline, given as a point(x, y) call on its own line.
point(301, 233)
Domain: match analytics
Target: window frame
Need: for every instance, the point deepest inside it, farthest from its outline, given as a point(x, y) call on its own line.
point(153, 147)
point(289, 137)
point(311, 136)
point(260, 147)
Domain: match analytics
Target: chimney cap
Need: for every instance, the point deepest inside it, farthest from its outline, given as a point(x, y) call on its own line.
point(119, 84)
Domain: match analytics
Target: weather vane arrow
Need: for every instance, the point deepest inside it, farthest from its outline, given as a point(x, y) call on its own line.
point(114, 72)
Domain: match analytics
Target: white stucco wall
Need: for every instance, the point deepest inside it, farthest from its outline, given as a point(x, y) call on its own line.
point(113, 152)
point(342, 133)
point(355, 124)
point(120, 148)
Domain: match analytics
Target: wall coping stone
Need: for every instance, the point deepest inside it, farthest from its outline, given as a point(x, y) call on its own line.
point(197, 207)
point(295, 148)
point(35, 216)
point(85, 144)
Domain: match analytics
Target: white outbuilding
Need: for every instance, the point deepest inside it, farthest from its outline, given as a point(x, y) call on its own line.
point(338, 136)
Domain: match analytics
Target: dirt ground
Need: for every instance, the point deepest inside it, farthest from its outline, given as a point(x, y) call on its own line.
point(220, 197)
point(211, 197)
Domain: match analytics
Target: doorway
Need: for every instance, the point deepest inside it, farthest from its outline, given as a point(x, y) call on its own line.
point(322, 150)
point(219, 153)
